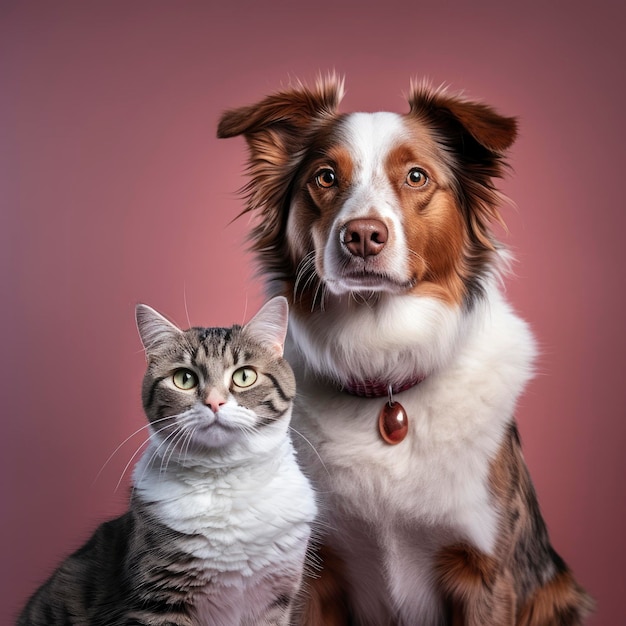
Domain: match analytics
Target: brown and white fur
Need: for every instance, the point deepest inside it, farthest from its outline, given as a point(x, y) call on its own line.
point(376, 227)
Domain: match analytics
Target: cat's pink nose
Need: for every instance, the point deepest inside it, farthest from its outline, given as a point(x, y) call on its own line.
point(214, 400)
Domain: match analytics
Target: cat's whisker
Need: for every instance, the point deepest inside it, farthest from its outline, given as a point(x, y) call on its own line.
point(139, 449)
point(153, 456)
point(172, 448)
point(190, 435)
point(168, 442)
point(185, 303)
point(121, 444)
point(168, 417)
point(312, 448)
point(246, 430)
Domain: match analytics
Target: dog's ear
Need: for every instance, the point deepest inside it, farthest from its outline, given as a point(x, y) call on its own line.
point(477, 138)
point(459, 118)
point(289, 112)
point(277, 129)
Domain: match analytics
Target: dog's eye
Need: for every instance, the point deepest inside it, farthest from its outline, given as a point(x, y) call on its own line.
point(326, 178)
point(416, 177)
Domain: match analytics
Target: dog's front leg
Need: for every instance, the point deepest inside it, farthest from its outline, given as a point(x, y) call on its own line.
point(323, 596)
point(477, 591)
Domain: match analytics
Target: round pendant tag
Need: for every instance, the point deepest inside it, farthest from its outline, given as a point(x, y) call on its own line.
point(393, 423)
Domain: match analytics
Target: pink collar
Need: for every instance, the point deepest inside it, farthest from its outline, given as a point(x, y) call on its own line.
point(378, 388)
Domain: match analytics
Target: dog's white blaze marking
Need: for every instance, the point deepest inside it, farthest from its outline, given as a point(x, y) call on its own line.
point(369, 137)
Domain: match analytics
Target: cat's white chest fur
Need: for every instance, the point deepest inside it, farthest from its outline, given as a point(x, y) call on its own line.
point(238, 519)
point(242, 523)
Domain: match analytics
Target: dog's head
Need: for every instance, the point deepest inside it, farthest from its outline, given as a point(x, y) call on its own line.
point(367, 203)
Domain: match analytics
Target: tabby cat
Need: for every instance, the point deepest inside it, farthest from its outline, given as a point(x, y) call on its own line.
point(220, 515)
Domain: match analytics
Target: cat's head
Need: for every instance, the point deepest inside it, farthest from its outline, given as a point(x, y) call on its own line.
point(208, 389)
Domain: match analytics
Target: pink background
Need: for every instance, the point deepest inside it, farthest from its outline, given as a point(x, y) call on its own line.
point(114, 190)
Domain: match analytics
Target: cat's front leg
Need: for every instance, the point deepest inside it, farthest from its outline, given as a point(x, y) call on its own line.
point(281, 610)
point(279, 613)
point(161, 618)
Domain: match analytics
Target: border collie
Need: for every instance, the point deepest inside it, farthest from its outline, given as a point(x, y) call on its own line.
point(409, 361)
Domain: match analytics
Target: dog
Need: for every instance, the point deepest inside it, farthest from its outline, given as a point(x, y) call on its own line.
point(378, 228)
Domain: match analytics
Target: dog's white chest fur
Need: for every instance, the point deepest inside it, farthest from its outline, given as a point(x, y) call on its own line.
point(407, 501)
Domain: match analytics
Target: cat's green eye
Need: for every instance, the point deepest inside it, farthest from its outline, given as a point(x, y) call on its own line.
point(245, 377)
point(185, 379)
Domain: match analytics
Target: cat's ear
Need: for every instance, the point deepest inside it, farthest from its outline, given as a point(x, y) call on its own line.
point(269, 325)
point(153, 328)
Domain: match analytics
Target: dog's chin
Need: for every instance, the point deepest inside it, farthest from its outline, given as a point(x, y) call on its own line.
point(367, 284)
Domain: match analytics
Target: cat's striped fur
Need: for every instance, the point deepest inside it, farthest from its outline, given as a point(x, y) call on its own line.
point(220, 514)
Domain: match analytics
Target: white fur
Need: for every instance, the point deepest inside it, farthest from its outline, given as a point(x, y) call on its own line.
point(393, 335)
point(247, 510)
point(369, 137)
point(435, 482)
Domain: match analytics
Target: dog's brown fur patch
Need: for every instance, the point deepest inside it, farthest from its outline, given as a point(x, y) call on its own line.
point(524, 583)
point(477, 591)
point(325, 602)
point(561, 602)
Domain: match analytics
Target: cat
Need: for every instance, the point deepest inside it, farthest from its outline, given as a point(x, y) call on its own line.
point(220, 515)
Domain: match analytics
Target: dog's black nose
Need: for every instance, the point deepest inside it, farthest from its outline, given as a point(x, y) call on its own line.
point(364, 237)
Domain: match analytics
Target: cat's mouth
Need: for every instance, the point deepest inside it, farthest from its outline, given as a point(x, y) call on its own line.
point(211, 431)
point(214, 431)
point(216, 421)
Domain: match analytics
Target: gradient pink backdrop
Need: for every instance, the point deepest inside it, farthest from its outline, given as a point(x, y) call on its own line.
point(114, 190)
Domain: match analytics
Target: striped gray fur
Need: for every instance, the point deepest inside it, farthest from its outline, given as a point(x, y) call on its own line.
point(211, 352)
